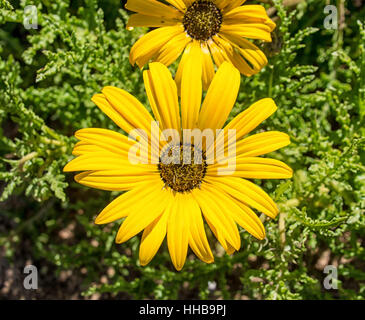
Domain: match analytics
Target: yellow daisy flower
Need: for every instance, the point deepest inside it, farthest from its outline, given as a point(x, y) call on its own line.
point(219, 28)
point(172, 198)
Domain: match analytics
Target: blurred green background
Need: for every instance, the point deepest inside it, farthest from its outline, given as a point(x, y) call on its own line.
point(47, 78)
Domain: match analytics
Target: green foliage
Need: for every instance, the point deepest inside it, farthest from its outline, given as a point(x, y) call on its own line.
point(317, 78)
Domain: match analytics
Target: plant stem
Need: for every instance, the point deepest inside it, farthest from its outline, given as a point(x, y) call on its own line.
point(29, 156)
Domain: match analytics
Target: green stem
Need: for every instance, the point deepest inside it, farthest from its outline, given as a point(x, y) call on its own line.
point(26, 158)
point(271, 78)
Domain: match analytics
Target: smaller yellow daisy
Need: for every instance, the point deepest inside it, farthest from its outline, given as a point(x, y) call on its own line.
point(200, 29)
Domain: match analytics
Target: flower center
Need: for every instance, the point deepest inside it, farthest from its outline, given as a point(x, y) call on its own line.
point(202, 20)
point(182, 167)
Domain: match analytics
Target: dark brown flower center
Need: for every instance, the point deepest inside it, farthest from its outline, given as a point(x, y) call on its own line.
point(202, 20)
point(182, 167)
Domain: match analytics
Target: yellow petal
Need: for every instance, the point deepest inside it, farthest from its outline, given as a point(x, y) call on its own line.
point(249, 119)
point(104, 105)
point(241, 214)
point(261, 143)
point(142, 20)
point(177, 232)
point(218, 234)
point(138, 155)
point(211, 193)
point(248, 14)
point(120, 207)
point(125, 110)
point(248, 30)
point(83, 147)
point(106, 139)
point(106, 160)
point(153, 8)
point(271, 24)
point(255, 145)
point(219, 55)
point(246, 50)
point(231, 54)
point(216, 216)
point(172, 49)
point(253, 168)
point(220, 97)
point(142, 213)
point(208, 67)
point(232, 4)
point(246, 192)
point(152, 238)
point(178, 4)
point(151, 43)
point(129, 107)
point(239, 60)
point(114, 180)
point(191, 87)
point(162, 95)
point(183, 60)
point(244, 55)
point(227, 4)
point(197, 237)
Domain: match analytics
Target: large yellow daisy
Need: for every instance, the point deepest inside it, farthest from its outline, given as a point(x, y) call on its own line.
point(175, 199)
point(219, 29)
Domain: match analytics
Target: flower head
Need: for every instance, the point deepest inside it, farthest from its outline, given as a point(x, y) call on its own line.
point(219, 28)
point(179, 168)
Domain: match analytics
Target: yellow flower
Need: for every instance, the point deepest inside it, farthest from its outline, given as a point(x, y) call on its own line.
point(219, 28)
point(166, 198)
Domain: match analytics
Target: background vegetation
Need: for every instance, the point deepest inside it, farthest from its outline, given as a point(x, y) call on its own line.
point(47, 77)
